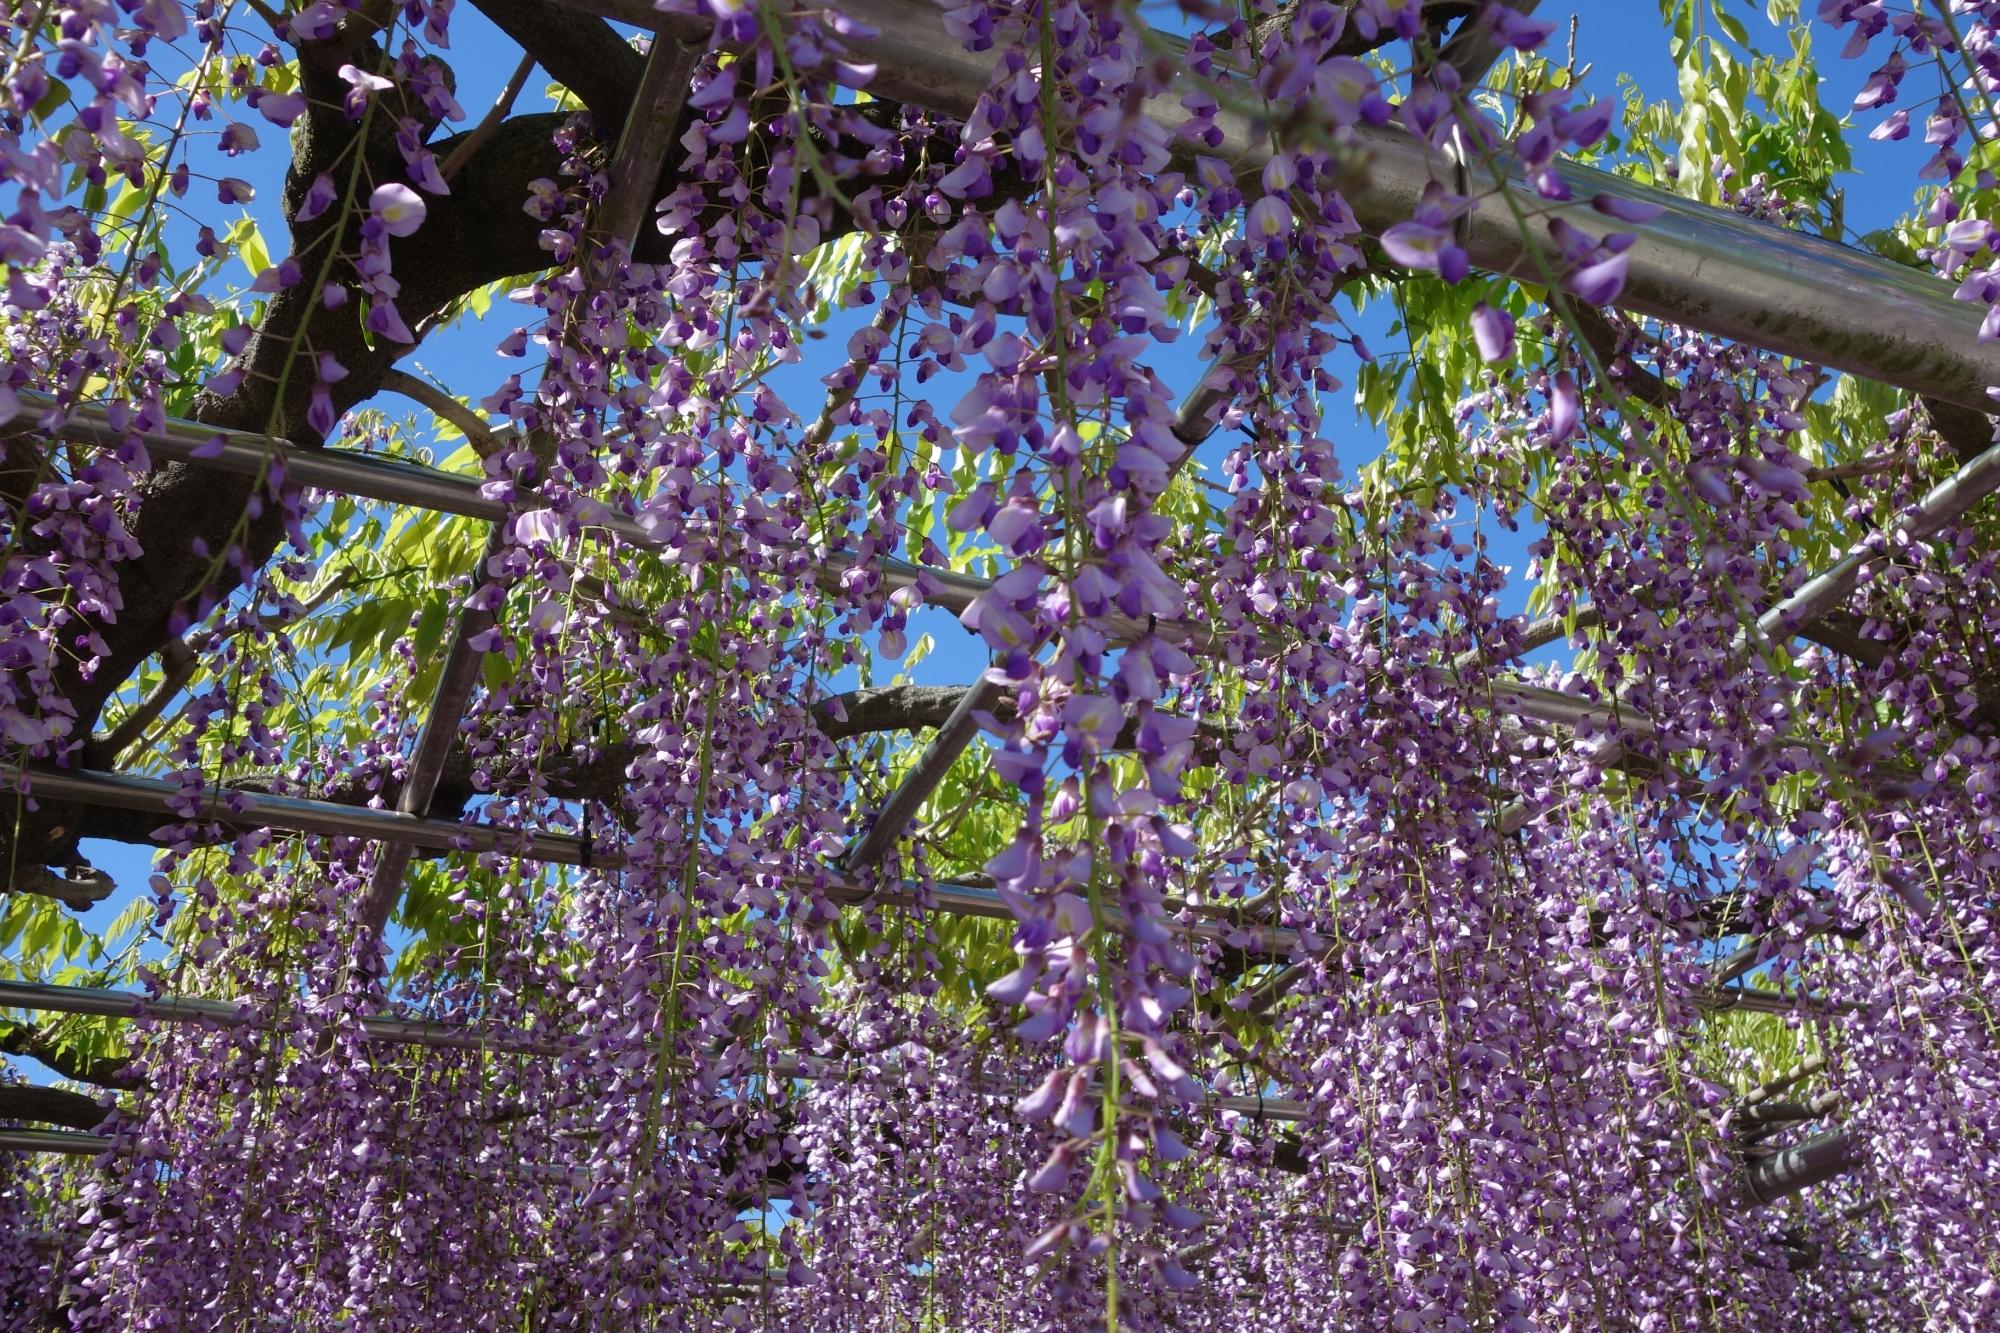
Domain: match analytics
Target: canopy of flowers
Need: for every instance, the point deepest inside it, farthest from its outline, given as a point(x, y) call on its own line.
point(1082, 666)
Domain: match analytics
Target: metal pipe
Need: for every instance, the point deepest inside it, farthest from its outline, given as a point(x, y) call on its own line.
point(1770, 1178)
point(663, 87)
point(1946, 502)
point(123, 791)
point(39, 997)
point(246, 454)
point(1723, 999)
point(643, 140)
point(1773, 1114)
point(70, 1143)
point(1806, 1069)
point(1706, 268)
point(65, 1142)
point(294, 814)
point(396, 482)
point(1767, 1180)
point(936, 760)
point(433, 748)
point(1789, 1170)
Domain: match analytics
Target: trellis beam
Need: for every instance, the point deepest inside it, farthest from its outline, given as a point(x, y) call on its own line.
point(449, 698)
point(643, 141)
point(1767, 1178)
point(57, 1142)
point(1694, 265)
point(1831, 1153)
point(1946, 503)
point(39, 997)
point(1194, 421)
point(99, 1002)
point(246, 809)
point(238, 808)
point(396, 482)
point(663, 88)
point(1766, 1181)
point(950, 741)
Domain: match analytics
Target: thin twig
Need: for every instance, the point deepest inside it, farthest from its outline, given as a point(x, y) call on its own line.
point(485, 440)
point(179, 660)
point(178, 663)
point(490, 125)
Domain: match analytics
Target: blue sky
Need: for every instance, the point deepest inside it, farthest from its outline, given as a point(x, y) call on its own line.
point(1614, 37)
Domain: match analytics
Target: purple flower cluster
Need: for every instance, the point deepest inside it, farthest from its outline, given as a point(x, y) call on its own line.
point(1330, 991)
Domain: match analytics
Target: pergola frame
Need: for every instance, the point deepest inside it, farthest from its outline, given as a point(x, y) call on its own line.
point(1705, 268)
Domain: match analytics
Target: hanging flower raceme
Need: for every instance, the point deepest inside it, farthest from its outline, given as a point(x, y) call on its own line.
point(1340, 967)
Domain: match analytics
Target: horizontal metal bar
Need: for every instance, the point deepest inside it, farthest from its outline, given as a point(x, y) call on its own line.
point(1725, 998)
point(1789, 1170)
point(1770, 1178)
point(64, 1142)
point(1702, 267)
point(242, 809)
point(70, 1143)
point(326, 818)
point(401, 482)
point(411, 484)
point(247, 454)
point(40, 997)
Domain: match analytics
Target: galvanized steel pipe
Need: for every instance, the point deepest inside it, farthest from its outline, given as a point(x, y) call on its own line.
point(1702, 267)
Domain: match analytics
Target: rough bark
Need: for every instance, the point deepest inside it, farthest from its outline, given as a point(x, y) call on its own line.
point(28, 1041)
point(50, 1106)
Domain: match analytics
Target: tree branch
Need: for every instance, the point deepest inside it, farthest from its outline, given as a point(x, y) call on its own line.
point(30, 1042)
point(51, 1106)
point(486, 442)
point(489, 124)
point(580, 51)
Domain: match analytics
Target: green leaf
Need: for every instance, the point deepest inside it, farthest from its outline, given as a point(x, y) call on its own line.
point(54, 97)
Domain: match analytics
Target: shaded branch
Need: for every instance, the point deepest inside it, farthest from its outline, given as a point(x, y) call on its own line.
point(489, 124)
point(51, 1106)
point(485, 441)
point(580, 51)
point(27, 1041)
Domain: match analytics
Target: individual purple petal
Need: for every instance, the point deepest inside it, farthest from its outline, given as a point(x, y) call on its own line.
point(1564, 410)
point(1600, 283)
point(399, 208)
point(383, 318)
point(1415, 244)
point(319, 411)
point(319, 197)
point(1269, 219)
point(282, 108)
point(1626, 209)
point(1492, 332)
